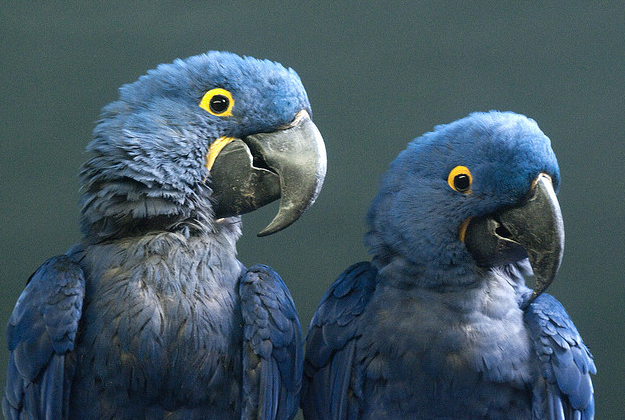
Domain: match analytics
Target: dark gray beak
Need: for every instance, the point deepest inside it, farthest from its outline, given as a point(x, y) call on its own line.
point(532, 230)
point(289, 164)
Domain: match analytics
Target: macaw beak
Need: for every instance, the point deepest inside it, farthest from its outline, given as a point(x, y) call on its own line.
point(531, 230)
point(248, 173)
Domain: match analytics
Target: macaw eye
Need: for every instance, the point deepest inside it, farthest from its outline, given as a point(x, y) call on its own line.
point(218, 102)
point(460, 179)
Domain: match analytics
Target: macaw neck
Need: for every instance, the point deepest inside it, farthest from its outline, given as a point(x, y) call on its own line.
point(110, 229)
point(423, 257)
point(399, 271)
point(166, 260)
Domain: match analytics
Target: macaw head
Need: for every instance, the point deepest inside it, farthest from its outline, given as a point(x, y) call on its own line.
point(202, 141)
point(471, 195)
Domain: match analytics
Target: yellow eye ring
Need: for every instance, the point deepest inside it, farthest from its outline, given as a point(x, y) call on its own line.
point(218, 102)
point(460, 179)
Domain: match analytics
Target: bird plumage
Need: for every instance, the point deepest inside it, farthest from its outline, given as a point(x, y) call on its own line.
point(151, 315)
point(423, 331)
point(149, 146)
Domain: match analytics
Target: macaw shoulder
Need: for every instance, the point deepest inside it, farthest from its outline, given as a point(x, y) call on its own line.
point(46, 314)
point(41, 332)
point(565, 362)
point(339, 314)
point(331, 341)
point(272, 346)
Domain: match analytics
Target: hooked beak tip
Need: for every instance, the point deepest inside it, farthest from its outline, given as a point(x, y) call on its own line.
point(289, 163)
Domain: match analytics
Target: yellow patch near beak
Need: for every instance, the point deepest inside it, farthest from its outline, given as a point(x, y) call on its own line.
point(463, 229)
point(215, 149)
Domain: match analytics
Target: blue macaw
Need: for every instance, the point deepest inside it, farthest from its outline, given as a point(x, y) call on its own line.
point(440, 324)
point(151, 315)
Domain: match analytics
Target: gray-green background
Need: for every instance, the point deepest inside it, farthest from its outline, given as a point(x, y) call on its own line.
point(378, 74)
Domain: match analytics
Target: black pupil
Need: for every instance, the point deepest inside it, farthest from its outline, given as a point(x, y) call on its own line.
point(462, 182)
point(219, 104)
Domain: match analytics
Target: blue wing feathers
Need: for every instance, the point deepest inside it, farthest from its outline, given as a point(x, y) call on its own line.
point(268, 386)
point(273, 354)
point(41, 331)
point(331, 345)
point(566, 363)
point(341, 377)
point(52, 387)
point(13, 397)
point(345, 300)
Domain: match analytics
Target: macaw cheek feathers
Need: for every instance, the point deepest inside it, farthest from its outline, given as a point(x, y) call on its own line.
point(289, 164)
point(531, 230)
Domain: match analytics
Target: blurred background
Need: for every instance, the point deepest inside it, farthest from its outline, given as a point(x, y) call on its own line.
point(377, 74)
